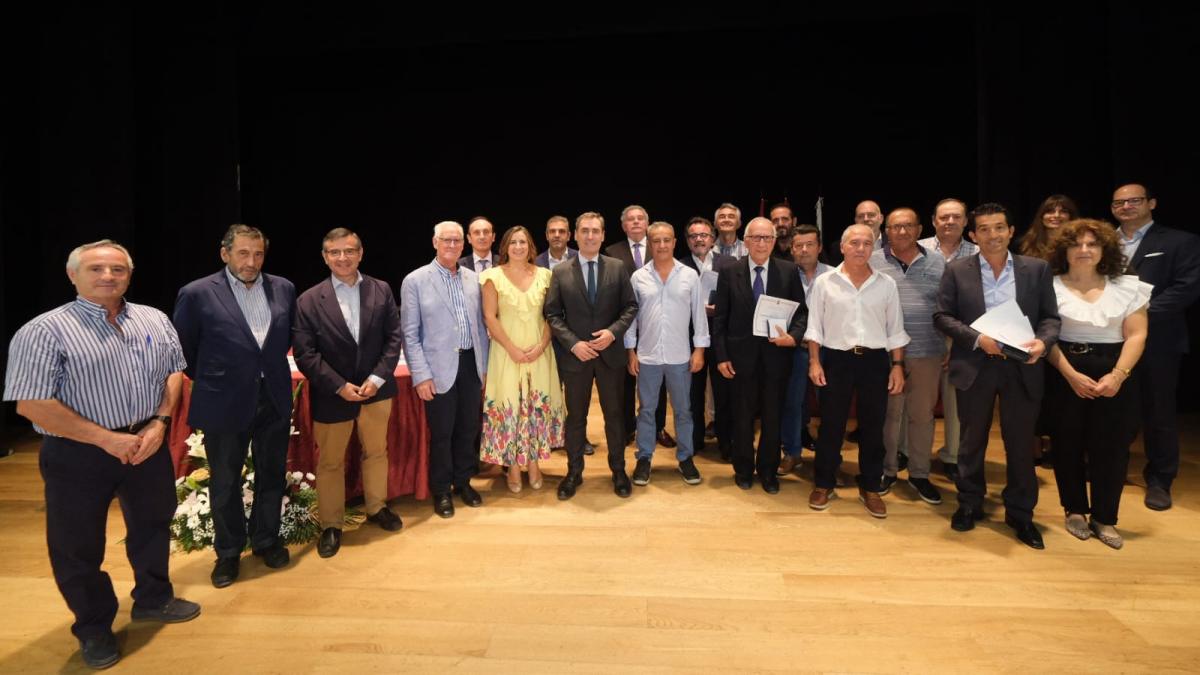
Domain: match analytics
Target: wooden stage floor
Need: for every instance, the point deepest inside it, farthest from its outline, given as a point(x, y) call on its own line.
point(677, 578)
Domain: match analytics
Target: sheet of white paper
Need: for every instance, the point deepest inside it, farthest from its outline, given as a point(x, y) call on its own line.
point(708, 282)
point(1005, 323)
point(771, 307)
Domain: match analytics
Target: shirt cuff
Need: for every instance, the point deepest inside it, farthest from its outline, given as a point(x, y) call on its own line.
point(376, 380)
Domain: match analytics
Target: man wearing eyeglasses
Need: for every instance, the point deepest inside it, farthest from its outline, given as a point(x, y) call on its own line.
point(346, 340)
point(701, 235)
point(1170, 260)
point(758, 367)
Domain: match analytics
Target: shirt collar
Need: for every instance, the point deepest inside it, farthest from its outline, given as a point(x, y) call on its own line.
point(1137, 236)
point(841, 272)
point(584, 259)
point(98, 310)
point(338, 283)
point(234, 281)
point(706, 260)
point(766, 265)
point(983, 263)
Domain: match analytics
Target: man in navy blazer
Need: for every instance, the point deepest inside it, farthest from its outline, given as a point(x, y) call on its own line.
point(701, 236)
point(346, 340)
point(446, 344)
point(235, 329)
point(558, 233)
point(981, 370)
point(1170, 260)
point(480, 235)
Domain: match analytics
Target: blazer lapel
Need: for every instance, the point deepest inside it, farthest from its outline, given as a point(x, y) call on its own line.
point(435, 278)
point(225, 295)
point(366, 306)
point(333, 311)
point(580, 282)
point(975, 287)
point(1144, 247)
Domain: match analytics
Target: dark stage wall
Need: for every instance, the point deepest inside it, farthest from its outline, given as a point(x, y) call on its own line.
point(160, 131)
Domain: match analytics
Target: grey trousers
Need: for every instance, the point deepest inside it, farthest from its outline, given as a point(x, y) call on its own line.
point(910, 417)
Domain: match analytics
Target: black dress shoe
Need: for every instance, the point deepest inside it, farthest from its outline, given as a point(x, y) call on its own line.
point(469, 496)
point(621, 485)
point(589, 448)
point(1027, 533)
point(770, 484)
point(385, 519)
point(100, 652)
point(275, 556)
point(225, 572)
point(443, 505)
point(664, 439)
point(566, 487)
point(964, 519)
point(177, 610)
point(853, 435)
point(807, 441)
point(330, 542)
point(950, 469)
point(744, 482)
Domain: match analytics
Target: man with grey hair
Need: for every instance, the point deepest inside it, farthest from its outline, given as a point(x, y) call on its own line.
point(98, 378)
point(446, 344)
point(728, 219)
point(235, 326)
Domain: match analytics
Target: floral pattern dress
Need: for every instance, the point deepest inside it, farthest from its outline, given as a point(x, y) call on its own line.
point(523, 402)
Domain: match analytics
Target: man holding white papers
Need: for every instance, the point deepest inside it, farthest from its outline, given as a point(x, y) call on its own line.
point(980, 370)
point(855, 320)
point(757, 366)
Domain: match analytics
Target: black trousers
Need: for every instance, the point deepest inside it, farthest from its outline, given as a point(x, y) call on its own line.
point(721, 422)
point(848, 374)
point(760, 393)
point(267, 442)
point(81, 481)
point(1160, 433)
point(629, 409)
point(1018, 414)
point(454, 427)
point(578, 390)
point(1092, 436)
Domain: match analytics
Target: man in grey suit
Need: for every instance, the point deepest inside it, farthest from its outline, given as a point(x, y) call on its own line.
point(589, 307)
point(480, 235)
point(446, 344)
point(982, 369)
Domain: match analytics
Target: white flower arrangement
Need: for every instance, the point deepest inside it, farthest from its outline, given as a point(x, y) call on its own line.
point(192, 526)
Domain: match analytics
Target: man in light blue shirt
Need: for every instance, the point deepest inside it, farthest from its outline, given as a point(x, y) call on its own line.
point(669, 296)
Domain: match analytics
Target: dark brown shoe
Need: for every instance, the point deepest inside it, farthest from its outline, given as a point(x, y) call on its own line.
point(664, 439)
point(874, 503)
point(819, 499)
point(786, 465)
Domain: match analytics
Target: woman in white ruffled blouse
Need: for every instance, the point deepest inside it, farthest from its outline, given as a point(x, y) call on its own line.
point(1095, 406)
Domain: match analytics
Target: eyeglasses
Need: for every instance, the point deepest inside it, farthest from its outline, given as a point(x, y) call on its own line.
point(1132, 201)
point(760, 238)
point(450, 241)
point(902, 226)
point(340, 252)
point(700, 235)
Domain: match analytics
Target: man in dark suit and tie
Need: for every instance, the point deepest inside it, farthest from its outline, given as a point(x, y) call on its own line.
point(980, 370)
point(346, 340)
point(480, 235)
point(759, 367)
point(633, 252)
point(1170, 260)
point(235, 327)
point(701, 235)
point(589, 306)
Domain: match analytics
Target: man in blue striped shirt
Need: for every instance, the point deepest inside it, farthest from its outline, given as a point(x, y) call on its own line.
point(98, 378)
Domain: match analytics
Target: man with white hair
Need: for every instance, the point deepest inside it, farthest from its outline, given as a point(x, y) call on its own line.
point(728, 220)
point(446, 345)
point(98, 377)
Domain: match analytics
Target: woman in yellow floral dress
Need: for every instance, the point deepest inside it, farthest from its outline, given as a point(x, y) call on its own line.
point(522, 402)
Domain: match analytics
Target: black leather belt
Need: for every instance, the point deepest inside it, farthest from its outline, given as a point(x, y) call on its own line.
point(860, 351)
point(1087, 347)
point(135, 427)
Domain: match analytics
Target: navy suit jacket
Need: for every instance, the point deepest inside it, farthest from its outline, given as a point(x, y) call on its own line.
point(543, 259)
point(468, 261)
point(1170, 260)
point(328, 355)
point(223, 358)
point(960, 303)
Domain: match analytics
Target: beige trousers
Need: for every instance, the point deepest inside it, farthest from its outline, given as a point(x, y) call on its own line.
point(331, 466)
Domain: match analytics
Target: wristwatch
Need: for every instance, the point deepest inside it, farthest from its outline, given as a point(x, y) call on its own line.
point(898, 362)
point(165, 419)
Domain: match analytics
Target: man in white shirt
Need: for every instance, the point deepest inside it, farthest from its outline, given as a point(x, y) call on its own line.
point(666, 344)
point(480, 234)
point(854, 322)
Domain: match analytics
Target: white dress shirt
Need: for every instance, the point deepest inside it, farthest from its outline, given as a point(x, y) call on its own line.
point(664, 312)
point(841, 316)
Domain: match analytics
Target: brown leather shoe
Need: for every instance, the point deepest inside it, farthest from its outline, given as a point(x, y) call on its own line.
point(786, 465)
point(874, 503)
point(819, 499)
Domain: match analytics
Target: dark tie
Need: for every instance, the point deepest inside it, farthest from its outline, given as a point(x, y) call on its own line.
point(591, 281)
point(758, 282)
point(483, 264)
point(637, 256)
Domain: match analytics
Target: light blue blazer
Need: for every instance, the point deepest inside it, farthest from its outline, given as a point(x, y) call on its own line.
point(430, 345)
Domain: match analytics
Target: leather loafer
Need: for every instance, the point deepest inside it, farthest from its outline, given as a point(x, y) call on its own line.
point(275, 556)
point(329, 543)
point(786, 465)
point(589, 448)
point(1157, 499)
point(621, 485)
point(385, 519)
point(225, 572)
point(1027, 533)
point(443, 505)
point(566, 487)
point(744, 482)
point(964, 519)
point(664, 439)
point(100, 652)
point(177, 610)
point(469, 496)
point(770, 485)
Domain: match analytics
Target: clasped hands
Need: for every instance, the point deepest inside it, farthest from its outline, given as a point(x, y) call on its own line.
point(136, 448)
point(586, 351)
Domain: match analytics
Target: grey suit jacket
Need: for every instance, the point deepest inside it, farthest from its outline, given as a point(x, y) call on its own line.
point(430, 345)
point(574, 318)
point(960, 302)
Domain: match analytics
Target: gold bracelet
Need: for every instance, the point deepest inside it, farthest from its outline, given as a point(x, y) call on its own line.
point(1124, 371)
